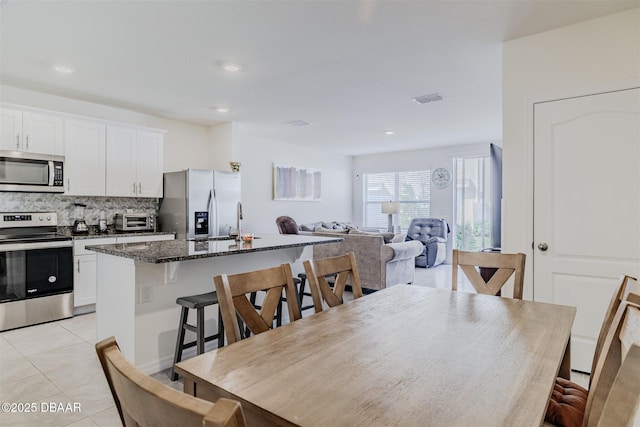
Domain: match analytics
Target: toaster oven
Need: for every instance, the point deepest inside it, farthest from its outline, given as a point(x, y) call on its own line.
point(135, 222)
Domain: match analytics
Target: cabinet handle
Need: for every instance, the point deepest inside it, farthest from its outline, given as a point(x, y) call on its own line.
point(27, 142)
point(139, 188)
point(68, 184)
point(78, 265)
point(134, 188)
point(17, 141)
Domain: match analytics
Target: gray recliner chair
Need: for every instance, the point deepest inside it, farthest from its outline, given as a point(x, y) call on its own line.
point(432, 233)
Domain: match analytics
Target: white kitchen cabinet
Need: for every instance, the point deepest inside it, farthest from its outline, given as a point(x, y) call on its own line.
point(31, 131)
point(149, 163)
point(134, 162)
point(85, 158)
point(84, 270)
point(84, 264)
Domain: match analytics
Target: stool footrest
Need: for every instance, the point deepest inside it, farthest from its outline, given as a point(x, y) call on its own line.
point(194, 343)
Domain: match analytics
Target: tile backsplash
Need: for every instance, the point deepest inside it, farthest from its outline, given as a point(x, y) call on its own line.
point(64, 205)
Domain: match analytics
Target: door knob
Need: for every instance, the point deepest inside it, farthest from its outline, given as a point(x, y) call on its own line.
point(543, 246)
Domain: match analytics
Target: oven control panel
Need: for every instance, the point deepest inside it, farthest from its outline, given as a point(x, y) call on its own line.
point(28, 219)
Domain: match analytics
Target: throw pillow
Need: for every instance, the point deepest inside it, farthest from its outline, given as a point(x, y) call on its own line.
point(330, 230)
point(386, 237)
point(310, 227)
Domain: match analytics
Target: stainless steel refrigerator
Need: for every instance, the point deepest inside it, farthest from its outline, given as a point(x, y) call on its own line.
point(199, 203)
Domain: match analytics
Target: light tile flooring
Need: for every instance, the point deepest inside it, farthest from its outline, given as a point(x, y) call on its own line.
point(55, 363)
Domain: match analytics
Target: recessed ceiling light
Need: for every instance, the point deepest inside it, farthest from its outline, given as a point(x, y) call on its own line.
point(389, 132)
point(431, 97)
point(64, 69)
point(222, 109)
point(232, 68)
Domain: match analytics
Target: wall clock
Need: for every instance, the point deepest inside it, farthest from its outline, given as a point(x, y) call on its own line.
point(441, 177)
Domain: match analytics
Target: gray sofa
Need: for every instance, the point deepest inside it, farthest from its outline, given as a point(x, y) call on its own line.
point(379, 264)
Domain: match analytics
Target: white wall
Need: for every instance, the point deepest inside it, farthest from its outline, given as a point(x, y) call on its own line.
point(221, 138)
point(257, 156)
point(185, 145)
point(442, 200)
point(598, 55)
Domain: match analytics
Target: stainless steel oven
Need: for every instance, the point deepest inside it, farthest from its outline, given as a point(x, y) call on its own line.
point(36, 270)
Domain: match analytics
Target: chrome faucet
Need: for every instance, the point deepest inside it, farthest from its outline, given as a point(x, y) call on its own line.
point(239, 220)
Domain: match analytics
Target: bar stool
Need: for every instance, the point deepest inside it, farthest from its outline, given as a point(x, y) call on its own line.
point(287, 225)
point(198, 303)
point(302, 281)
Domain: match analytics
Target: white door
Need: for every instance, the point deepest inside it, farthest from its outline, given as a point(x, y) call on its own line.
point(586, 206)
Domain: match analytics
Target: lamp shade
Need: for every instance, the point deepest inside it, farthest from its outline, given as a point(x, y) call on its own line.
point(390, 208)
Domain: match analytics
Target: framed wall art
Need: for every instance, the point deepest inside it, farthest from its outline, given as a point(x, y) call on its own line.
point(296, 183)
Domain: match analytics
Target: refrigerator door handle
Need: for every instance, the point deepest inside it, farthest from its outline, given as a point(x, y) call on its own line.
point(213, 216)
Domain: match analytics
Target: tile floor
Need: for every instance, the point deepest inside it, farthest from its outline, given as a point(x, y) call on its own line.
point(55, 363)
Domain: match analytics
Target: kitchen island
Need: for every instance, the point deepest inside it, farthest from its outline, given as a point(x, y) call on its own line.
point(138, 283)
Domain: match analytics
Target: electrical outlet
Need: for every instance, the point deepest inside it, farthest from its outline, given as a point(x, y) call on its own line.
point(145, 294)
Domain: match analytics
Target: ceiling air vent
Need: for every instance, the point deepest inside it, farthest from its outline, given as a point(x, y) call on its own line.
point(298, 123)
point(432, 97)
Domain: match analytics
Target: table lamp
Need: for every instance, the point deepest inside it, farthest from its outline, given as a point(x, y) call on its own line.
point(390, 208)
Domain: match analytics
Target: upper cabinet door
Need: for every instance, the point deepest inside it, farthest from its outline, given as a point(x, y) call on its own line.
point(42, 133)
point(32, 132)
point(149, 163)
point(121, 161)
point(10, 129)
point(85, 157)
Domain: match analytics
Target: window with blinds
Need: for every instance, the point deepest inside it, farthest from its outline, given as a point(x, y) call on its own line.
point(412, 190)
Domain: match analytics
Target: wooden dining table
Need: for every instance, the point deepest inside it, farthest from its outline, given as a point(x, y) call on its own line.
point(403, 356)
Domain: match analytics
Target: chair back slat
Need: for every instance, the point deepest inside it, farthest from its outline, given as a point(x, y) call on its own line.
point(253, 319)
point(627, 290)
point(342, 269)
point(631, 291)
point(233, 296)
point(143, 401)
point(332, 299)
point(505, 266)
point(614, 395)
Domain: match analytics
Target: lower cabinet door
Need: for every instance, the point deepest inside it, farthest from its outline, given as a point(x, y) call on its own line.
point(84, 280)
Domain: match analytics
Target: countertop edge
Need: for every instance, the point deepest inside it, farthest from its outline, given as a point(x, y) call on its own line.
point(114, 235)
point(152, 252)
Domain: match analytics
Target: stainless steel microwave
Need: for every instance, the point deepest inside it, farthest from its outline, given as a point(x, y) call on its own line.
point(30, 172)
point(135, 222)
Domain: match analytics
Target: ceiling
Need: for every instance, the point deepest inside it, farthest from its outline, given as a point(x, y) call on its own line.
point(349, 68)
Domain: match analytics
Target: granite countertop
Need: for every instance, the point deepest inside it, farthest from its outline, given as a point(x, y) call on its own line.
point(67, 231)
point(183, 250)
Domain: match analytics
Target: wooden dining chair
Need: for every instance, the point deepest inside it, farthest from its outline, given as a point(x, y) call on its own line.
point(143, 401)
point(614, 396)
point(234, 297)
point(340, 268)
point(627, 290)
point(503, 266)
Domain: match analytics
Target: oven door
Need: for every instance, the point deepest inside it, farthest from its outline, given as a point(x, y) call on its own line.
point(30, 270)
